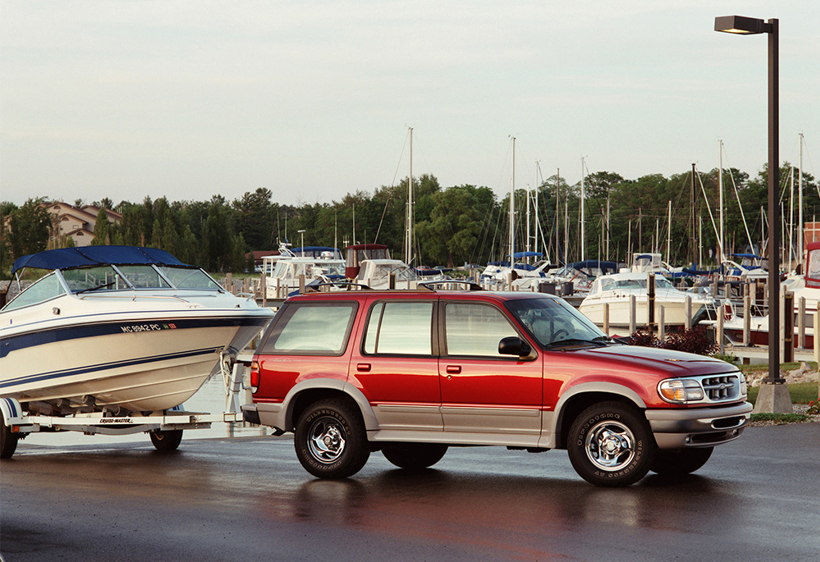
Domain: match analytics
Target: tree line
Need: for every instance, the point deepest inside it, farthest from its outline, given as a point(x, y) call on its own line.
point(452, 225)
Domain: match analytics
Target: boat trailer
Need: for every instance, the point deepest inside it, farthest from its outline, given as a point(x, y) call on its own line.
point(164, 428)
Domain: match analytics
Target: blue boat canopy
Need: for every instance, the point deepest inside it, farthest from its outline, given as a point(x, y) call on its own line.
point(88, 256)
point(519, 255)
point(604, 266)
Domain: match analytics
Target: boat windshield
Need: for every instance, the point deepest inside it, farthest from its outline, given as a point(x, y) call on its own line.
point(612, 284)
point(143, 277)
point(553, 321)
point(90, 279)
point(44, 289)
point(187, 278)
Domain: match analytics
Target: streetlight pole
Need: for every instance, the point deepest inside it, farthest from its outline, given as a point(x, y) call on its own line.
point(302, 234)
point(750, 26)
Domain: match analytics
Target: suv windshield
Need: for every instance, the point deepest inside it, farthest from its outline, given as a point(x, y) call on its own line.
point(553, 321)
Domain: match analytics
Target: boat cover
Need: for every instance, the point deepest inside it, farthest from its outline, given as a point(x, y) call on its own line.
point(87, 256)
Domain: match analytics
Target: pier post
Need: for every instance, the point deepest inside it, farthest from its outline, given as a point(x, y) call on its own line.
point(747, 320)
point(650, 302)
point(719, 337)
point(816, 338)
point(606, 318)
point(263, 286)
point(662, 324)
point(801, 323)
point(301, 283)
point(687, 312)
point(788, 326)
point(633, 309)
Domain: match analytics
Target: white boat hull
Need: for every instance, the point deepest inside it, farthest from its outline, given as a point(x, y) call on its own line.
point(141, 361)
point(620, 310)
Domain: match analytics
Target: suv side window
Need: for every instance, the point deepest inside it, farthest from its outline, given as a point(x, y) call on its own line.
point(475, 329)
point(311, 328)
point(404, 328)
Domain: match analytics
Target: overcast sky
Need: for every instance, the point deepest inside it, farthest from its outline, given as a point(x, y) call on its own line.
point(312, 99)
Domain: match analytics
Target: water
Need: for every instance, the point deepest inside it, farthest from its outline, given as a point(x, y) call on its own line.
point(210, 399)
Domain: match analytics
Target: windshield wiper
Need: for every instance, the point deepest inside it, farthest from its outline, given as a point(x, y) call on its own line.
point(97, 288)
point(599, 341)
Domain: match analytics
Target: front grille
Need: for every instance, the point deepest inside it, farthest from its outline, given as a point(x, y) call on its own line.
point(722, 388)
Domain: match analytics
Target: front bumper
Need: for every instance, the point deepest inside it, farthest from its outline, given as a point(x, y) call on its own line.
point(678, 428)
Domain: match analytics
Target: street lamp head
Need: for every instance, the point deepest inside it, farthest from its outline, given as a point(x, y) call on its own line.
point(742, 25)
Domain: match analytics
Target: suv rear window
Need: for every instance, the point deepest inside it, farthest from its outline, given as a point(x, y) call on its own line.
point(402, 328)
point(311, 328)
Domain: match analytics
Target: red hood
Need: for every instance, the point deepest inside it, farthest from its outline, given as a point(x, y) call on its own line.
point(648, 360)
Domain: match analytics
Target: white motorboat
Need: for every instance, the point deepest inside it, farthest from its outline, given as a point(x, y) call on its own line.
point(286, 271)
point(616, 289)
point(375, 273)
point(117, 328)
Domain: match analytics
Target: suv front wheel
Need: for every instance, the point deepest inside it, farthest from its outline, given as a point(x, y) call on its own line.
point(610, 444)
point(330, 440)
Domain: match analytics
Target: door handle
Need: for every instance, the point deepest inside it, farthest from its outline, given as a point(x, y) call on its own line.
point(363, 367)
point(453, 369)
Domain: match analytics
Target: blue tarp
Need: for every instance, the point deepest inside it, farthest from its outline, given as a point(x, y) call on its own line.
point(604, 266)
point(88, 256)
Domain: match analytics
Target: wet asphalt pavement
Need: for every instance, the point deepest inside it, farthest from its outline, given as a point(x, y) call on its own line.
point(249, 499)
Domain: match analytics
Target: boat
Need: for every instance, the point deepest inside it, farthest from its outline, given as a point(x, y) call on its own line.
point(286, 271)
point(615, 289)
point(376, 274)
point(805, 286)
point(117, 329)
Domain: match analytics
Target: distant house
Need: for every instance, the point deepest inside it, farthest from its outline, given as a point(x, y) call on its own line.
point(77, 223)
point(258, 255)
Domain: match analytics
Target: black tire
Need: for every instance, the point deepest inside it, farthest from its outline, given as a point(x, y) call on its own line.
point(610, 444)
point(679, 462)
point(330, 439)
point(8, 439)
point(414, 456)
point(166, 441)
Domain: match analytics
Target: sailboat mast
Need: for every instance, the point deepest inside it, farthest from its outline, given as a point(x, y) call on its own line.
point(669, 235)
point(720, 187)
point(583, 196)
point(800, 201)
point(512, 204)
point(528, 220)
point(408, 244)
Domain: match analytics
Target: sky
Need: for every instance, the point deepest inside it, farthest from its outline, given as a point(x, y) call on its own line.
point(313, 99)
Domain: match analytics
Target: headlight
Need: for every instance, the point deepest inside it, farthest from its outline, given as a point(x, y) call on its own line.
point(680, 391)
point(742, 379)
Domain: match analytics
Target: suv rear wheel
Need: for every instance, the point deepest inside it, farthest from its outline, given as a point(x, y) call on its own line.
point(610, 444)
point(414, 456)
point(330, 439)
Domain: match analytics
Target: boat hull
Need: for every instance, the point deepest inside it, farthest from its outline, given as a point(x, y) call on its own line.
point(619, 312)
point(152, 364)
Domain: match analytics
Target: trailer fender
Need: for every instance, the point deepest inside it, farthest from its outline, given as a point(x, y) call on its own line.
point(11, 409)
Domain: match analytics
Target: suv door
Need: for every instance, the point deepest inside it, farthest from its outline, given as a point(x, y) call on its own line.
point(396, 364)
point(483, 391)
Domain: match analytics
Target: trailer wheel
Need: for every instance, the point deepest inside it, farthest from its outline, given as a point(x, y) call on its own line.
point(8, 439)
point(165, 441)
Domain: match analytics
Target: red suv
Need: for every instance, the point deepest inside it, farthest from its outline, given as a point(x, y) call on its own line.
point(410, 373)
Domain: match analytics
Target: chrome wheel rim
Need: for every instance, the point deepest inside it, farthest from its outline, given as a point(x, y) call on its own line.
point(326, 439)
point(610, 446)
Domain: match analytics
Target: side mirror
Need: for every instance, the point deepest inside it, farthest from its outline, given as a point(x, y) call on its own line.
point(514, 345)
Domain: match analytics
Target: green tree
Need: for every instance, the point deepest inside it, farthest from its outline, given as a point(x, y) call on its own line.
point(101, 229)
point(30, 228)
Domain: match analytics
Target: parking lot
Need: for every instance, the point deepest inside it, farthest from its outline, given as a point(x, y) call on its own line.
point(248, 498)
